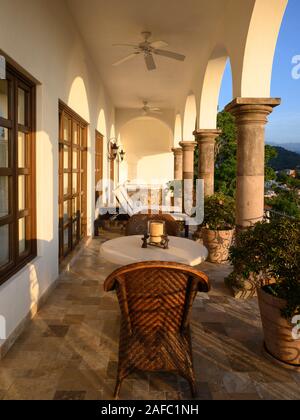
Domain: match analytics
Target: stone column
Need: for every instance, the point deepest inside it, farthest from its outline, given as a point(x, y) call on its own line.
point(188, 148)
point(206, 168)
point(178, 158)
point(251, 117)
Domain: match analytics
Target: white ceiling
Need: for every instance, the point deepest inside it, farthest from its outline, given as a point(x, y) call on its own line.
point(186, 25)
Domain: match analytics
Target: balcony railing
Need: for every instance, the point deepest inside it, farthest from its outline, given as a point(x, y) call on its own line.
point(272, 214)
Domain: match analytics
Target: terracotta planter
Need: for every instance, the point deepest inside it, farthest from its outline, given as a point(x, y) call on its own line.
point(279, 342)
point(218, 243)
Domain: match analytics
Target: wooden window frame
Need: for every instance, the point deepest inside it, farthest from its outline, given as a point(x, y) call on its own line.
point(79, 220)
point(17, 261)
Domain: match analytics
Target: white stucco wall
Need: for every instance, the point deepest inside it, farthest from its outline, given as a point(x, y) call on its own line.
point(40, 36)
point(148, 143)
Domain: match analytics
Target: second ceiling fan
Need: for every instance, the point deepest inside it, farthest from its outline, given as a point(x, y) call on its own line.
point(149, 49)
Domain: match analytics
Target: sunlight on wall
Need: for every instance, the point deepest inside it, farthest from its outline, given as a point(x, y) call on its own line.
point(177, 131)
point(163, 172)
point(101, 124)
point(78, 99)
point(34, 288)
point(211, 88)
point(190, 116)
point(147, 142)
point(112, 132)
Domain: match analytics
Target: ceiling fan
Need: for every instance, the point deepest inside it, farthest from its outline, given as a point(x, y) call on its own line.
point(148, 49)
point(148, 109)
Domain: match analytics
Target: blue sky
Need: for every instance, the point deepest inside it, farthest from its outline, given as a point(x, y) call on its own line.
point(284, 125)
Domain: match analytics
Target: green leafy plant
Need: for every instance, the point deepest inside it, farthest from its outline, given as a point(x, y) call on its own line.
point(270, 251)
point(286, 202)
point(219, 212)
point(270, 154)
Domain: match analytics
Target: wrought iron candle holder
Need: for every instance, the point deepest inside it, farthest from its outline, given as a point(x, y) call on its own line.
point(156, 235)
point(163, 244)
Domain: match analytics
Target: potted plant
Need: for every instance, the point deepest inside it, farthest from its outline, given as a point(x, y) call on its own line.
point(218, 226)
point(270, 253)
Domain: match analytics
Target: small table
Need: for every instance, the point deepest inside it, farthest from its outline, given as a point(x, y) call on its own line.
point(128, 250)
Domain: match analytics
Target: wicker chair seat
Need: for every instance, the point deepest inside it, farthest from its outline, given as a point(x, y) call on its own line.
point(155, 352)
point(155, 300)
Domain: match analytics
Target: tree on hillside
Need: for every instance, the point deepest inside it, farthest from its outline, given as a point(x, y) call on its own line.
point(286, 202)
point(226, 155)
point(285, 159)
point(270, 154)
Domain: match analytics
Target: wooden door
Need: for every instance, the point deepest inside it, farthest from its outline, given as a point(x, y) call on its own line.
point(72, 179)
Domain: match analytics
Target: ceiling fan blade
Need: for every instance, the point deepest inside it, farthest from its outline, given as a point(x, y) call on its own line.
point(150, 62)
point(123, 60)
point(170, 54)
point(155, 109)
point(159, 44)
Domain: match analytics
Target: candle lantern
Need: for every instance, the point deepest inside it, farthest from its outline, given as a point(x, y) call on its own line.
point(156, 235)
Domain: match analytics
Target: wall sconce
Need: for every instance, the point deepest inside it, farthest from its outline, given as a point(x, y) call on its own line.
point(122, 155)
point(113, 150)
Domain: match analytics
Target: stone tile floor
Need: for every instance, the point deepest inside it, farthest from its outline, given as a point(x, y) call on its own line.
point(69, 351)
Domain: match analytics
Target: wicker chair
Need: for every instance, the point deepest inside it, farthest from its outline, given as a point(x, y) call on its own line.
point(138, 224)
point(155, 299)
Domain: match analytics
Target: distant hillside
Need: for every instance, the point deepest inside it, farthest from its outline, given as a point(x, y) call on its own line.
point(293, 147)
point(285, 159)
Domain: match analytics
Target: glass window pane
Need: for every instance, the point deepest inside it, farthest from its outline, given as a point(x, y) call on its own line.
point(75, 232)
point(66, 129)
point(4, 248)
point(75, 207)
point(75, 159)
point(4, 196)
point(22, 236)
point(66, 157)
point(21, 184)
point(75, 135)
point(3, 147)
point(66, 184)
point(66, 239)
point(74, 185)
point(66, 211)
point(21, 149)
point(82, 140)
point(21, 106)
point(3, 99)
